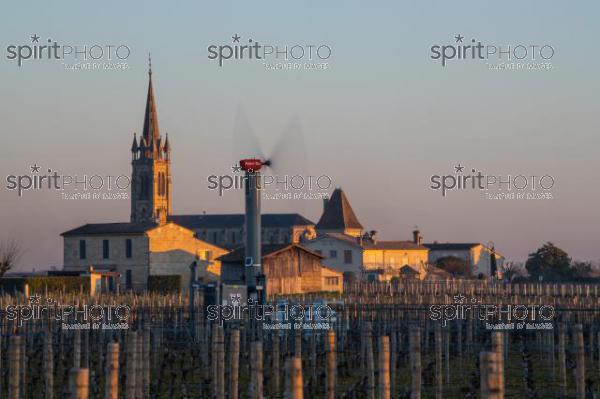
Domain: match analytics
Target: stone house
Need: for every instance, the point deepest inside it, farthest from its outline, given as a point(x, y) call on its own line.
point(137, 250)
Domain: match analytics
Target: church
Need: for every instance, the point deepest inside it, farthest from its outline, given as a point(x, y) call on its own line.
point(154, 242)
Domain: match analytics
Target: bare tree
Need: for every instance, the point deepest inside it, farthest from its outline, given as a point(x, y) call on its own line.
point(582, 269)
point(10, 252)
point(511, 270)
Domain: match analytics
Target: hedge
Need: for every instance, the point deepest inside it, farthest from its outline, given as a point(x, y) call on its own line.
point(164, 284)
point(39, 284)
point(74, 284)
point(11, 285)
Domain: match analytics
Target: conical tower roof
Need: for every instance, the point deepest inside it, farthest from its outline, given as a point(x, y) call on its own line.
point(134, 146)
point(151, 131)
point(338, 214)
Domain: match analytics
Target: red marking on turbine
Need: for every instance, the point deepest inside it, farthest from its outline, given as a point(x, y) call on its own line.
point(252, 164)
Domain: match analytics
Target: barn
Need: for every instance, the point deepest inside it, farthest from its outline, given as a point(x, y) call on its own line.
point(289, 269)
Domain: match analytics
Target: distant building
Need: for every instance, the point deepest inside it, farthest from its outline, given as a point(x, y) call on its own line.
point(477, 255)
point(156, 242)
point(339, 235)
point(340, 252)
point(391, 256)
point(288, 268)
point(227, 230)
point(346, 248)
point(137, 250)
point(148, 244)
point(341, 241)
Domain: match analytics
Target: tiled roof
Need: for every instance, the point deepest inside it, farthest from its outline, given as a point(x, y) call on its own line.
point(450, 246)
point(339, 236)
point(238, 254)
point(338, 214)
point(235, 220)
point(110, 228)
point(391, 245)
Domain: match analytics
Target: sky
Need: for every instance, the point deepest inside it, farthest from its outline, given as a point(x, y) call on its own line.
point(380, 120)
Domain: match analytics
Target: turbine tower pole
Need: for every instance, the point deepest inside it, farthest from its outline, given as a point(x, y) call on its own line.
point(253, 255)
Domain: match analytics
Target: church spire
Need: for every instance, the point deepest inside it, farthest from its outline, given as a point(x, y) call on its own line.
point(167, 147)
point(134, 146)
point(151, 167)
point(151, 131)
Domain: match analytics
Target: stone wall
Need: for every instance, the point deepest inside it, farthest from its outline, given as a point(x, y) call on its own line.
point(173, 249)
point(117, 259)
point(327, 244)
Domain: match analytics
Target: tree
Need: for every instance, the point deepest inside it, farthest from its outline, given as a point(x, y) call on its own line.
point(10, 252)
point(550, 263)
point(582, 270)
point(455, 266)
point(511, 270)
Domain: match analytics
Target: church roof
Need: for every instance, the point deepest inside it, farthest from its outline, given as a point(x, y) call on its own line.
point(338, 214)
point(151, 131)
point(110, 228)
point(236, 220)
point(192, 222)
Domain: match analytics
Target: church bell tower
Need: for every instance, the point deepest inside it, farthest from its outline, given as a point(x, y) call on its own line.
point(151, 168)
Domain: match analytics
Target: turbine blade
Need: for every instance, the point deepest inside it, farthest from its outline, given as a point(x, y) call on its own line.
point(289, 155)
point(245, 144)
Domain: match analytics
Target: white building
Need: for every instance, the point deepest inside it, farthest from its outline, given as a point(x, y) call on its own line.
point(341, 241)
point(342, 252)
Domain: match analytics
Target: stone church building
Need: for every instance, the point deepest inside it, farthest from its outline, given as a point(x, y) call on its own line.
point(156, 242)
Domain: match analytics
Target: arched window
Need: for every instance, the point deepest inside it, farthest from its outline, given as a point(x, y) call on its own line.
point(145, 186)
point(160, 186)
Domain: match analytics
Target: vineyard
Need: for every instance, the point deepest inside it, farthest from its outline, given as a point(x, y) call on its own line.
point(384, 341)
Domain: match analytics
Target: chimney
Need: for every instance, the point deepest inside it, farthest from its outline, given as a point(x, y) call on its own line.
point(373, 236)
point(417, 237)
